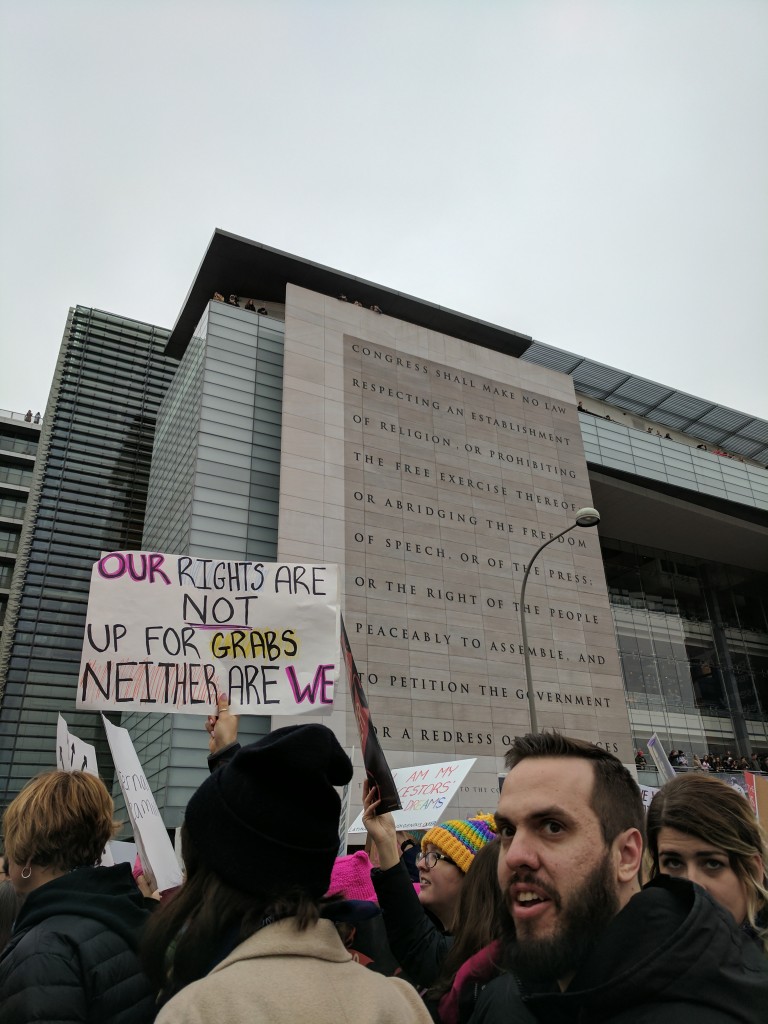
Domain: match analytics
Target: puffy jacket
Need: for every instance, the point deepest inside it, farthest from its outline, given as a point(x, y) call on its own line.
point(72, 955)
point(672, 955)
point(417, 943)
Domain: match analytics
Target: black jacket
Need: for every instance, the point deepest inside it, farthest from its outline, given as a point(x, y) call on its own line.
point(417, 943)
point(72, 956)
point(671, 956)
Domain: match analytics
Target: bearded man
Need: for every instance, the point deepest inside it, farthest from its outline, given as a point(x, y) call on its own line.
point(583, 942)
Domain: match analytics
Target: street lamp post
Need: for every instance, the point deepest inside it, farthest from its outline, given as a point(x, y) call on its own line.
point(585, 517)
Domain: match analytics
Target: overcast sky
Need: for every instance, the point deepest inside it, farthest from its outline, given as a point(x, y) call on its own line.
point(593, 173)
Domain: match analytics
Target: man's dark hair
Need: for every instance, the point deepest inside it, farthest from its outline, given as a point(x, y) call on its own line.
point(616, 798)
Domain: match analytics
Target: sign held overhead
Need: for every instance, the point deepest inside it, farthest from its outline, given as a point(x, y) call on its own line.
point(172, 632)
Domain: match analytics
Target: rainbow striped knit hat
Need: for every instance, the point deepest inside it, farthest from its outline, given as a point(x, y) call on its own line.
point(461, 840)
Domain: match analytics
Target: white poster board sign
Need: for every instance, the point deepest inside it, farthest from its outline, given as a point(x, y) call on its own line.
point(648, 793)
point(660, 759)
point(425, 792)
point(122, 853)
point(73, 754)
point(172, 632)
point(161, 868)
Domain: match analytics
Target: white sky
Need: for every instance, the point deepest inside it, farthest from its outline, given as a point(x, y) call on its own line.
point(590, 172)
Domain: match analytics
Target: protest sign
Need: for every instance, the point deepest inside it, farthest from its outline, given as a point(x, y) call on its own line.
point(72, 754)
point(660, 759)
point(761, 797)
point(648, 793)
point(376, 768)
point(425, 792)
point(161, 868)
point(172, 632)
point(122, 853)
point(749, 785)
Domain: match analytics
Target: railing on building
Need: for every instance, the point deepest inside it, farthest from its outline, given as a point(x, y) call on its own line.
point(649, 776)
point(8, 414)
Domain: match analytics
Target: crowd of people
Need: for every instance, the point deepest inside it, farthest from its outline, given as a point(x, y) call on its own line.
point(710, 762)
point(234, 300)
point(535, 913)
point(685, 438)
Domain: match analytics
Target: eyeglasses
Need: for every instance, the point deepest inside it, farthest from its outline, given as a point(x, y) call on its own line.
point(431, 857)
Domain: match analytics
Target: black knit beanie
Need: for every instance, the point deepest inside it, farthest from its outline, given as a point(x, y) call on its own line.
point(268, 821)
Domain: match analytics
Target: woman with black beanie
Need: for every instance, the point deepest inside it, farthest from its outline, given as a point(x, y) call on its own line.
point(247, 937)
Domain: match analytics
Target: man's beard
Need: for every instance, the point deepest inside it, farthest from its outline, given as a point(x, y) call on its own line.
point(591, 910)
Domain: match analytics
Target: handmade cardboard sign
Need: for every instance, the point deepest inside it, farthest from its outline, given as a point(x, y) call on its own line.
point(749, 785)
point(376, 768)
point(425, 792)
point(161, 868)
point(172, 632)
point(72, 754)
point(648, 793)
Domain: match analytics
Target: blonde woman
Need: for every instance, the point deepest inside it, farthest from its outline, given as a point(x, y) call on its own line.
point(72, 955)
point(704, 830)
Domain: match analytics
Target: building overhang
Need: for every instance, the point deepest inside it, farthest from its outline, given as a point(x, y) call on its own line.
point(233, 264)
point(236, 265)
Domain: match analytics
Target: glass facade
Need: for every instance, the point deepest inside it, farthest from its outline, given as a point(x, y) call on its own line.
point(88, 495)
point(635, 452)
point(693, 640)
point(19, 438)
point(213, 492)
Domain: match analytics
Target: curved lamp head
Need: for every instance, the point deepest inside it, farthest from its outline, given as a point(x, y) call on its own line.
point(587, 517)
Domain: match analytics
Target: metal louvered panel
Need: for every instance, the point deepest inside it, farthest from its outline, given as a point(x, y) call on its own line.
point(630, 405)
point(644, 392)
point(725, 419)
point(552, 358)
point(669, 419)
point(741, 446)
point(733, 431)
point(709, 433)
point(756, 430)
point(591, 392)
point(686, 405)
point(605, 378)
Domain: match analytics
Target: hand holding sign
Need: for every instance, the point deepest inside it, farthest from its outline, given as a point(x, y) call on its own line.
point(221, 728)
point(380, 827)
point(376, 768)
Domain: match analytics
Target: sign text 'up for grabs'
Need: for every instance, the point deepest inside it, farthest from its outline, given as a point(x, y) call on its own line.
point(172, 632)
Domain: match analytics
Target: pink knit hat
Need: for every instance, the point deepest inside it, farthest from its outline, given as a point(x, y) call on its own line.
point(351, 878)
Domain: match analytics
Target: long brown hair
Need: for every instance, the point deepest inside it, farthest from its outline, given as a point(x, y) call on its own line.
point(205, 919)
point(713, 811)
point(477, 917)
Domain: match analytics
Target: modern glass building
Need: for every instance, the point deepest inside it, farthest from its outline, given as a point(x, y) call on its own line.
point(87, 495)
point(213, 493)
point(19, 437)
point(191, 457)
point(683, 487)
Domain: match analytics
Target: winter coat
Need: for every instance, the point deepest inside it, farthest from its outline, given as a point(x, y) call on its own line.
point(458, 1003)
point(280, 975)
point(672, 955)
point(417, 943)
point(72, 955)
